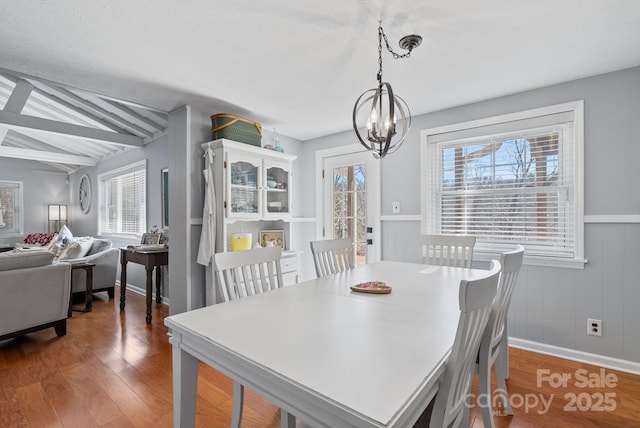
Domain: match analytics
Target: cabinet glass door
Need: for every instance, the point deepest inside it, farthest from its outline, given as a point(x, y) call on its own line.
point(244, 197)
point(277, 190)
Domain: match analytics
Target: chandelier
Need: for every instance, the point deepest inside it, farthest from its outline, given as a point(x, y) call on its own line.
point(378, 110)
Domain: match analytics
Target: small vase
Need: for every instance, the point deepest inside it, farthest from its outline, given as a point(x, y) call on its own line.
point(276, 140)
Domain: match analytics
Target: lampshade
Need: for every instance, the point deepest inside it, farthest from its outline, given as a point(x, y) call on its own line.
point(54, 212)
point(57, 215)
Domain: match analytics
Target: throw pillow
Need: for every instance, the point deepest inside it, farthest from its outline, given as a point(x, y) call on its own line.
point(41, 239)
point(65, 236)
point(77, 249)
point(99, 245)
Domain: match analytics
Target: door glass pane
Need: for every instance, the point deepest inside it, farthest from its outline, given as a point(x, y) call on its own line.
point(349, 207)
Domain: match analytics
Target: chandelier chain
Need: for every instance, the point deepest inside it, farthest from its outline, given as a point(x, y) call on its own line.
point(380, 34)
point(386, 42)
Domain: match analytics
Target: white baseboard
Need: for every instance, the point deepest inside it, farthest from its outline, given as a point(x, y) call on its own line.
point(143, 292)
point(580, 356)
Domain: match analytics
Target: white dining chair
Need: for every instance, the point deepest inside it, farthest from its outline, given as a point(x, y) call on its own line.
point(241, 274)
point(450, 406)
point(447, 250)
point(244, 273)
point(494, 344)
point(332, 256)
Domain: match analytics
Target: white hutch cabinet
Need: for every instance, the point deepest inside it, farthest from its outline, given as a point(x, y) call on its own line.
point(253, 194)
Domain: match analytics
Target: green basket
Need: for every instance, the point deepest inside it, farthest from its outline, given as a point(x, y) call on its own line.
point(236, 128)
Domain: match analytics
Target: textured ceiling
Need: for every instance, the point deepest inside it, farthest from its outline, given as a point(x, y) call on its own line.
point(300, 65)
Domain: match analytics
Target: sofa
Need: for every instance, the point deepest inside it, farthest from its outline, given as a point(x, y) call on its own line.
point(34, 293)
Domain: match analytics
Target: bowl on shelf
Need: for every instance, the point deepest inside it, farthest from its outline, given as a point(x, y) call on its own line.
point(274, 206)
point(272, 184)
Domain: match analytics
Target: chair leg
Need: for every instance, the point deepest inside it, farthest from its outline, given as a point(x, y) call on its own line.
point(287, 420)
point(484, 391)
point(238, 401)
point(504, 351)
point(61, 327)
point(502, 385)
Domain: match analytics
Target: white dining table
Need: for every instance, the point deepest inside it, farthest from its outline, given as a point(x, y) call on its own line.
point(327, 355)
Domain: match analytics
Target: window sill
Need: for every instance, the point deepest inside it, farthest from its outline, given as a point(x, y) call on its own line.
point(556, 262)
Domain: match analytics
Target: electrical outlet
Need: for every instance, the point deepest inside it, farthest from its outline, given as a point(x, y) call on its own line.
point(594, 327)
point(396, 207)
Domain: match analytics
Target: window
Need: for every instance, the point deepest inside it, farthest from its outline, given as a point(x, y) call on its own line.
point(512, 179)
point(123, 199)
point(11, 209)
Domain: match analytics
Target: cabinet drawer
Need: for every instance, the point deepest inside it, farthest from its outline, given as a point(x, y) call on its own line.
point(290, 278)
point(289, 263)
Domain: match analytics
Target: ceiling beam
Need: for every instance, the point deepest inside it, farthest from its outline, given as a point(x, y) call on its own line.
point(39, 155)
point(16, 102)
point(68, 98)
point(19, 96)
point(14, 120)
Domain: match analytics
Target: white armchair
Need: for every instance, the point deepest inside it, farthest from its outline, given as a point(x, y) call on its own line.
point(105, 258)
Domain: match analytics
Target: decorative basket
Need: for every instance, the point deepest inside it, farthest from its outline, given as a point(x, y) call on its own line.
point(236, 128)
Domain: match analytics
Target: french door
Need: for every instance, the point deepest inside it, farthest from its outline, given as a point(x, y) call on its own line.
point(350, 205)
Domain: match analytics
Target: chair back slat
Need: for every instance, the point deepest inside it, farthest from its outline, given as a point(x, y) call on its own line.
point(447, 250)
point(332, 256)
point(475, 300)
point(511, 263)
point(245, 273)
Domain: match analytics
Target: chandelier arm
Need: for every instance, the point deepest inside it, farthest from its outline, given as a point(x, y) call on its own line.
point(390, 126)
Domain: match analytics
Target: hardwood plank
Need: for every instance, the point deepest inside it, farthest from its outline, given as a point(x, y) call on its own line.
point(90, 393)
point(35, 406)
point(10, 413)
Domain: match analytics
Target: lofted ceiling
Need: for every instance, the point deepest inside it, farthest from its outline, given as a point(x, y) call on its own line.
point(295, 65)
point(66, 128)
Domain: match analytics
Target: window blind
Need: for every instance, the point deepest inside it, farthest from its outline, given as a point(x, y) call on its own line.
point(123, 202)
point(507, 183)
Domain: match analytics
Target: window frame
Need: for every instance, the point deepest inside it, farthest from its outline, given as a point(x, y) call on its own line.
point(18, 209)
point(102, 195)
point(428, 172)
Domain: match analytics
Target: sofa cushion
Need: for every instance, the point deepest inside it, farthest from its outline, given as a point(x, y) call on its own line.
point(78, 248)
point(24, 259)
point(99, 245)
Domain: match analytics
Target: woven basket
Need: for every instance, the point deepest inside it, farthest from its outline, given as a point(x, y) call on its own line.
point(236, 128)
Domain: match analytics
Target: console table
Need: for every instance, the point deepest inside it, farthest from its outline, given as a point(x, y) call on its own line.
point(150, 260)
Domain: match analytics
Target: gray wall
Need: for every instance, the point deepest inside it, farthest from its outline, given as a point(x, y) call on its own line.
point(41, 186)
point(156, 155)
point(550, 305)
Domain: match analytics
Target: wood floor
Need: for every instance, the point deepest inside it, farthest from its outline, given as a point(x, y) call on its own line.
point(112, 370)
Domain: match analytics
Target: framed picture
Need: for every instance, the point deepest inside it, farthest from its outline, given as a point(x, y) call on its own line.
point(272, 238)
point(164, 184)
point(151, 238)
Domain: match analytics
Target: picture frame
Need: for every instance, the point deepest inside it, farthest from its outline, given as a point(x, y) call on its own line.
point(164, 185)
point(269, 238)
point(151, 238)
